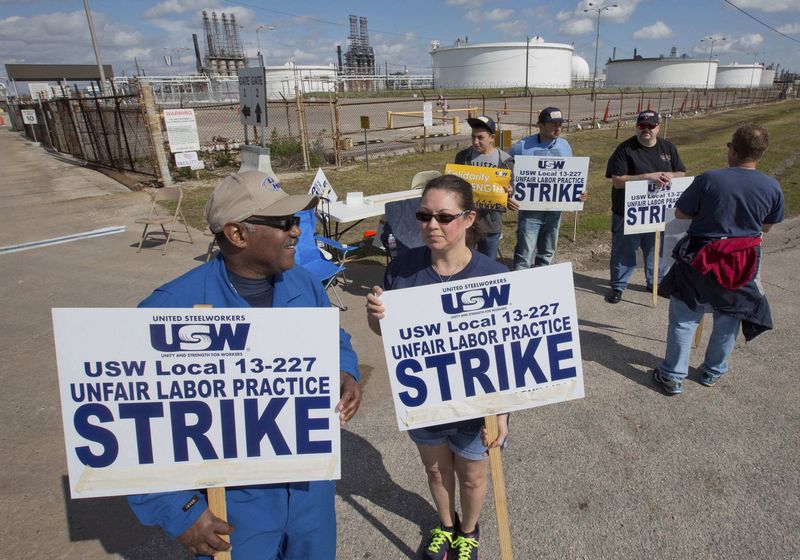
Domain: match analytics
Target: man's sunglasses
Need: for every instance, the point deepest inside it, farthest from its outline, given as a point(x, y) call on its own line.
point(646, 126)
point(441, 218)
point(286, 223)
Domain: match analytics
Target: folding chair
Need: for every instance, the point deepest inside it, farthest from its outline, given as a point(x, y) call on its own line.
point(309, 255)
point(156, 218)
point(400, 228)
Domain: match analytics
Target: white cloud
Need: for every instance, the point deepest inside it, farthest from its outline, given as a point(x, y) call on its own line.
point(659, 30)
point(749, 41)
point(789, 28)
point(728, 44)
point(177, 7)
point(576, 26)
point(538, 12)
point(769, 5)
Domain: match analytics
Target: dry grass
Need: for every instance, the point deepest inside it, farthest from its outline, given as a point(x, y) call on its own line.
point(700, 140)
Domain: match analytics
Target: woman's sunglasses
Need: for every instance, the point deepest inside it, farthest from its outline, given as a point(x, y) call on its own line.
point(441, 218)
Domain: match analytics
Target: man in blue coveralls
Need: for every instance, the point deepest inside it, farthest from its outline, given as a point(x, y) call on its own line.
point(254, 224)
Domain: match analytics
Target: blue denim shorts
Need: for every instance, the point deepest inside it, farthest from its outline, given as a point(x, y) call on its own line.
point(463, 441)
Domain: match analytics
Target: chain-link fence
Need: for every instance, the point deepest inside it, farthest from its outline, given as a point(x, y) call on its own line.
point(327, 130)
point(108, 131)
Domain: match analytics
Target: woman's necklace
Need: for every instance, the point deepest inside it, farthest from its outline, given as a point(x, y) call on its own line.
point(458, 269)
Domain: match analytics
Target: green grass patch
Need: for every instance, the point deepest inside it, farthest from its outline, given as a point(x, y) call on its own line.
point(700, 140)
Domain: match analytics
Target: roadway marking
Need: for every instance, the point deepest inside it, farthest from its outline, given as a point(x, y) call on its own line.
point(63, 239)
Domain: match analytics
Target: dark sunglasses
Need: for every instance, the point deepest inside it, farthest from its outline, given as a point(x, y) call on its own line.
point(286, 223)
point(441, 218)
point(646, 126)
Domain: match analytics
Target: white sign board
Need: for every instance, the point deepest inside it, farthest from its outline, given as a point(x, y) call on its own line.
point(322, 188)
point(482, 346)
point(181, 130)
point(29, 116)
point(427, 114)
point(646, 204)
point(550, 183)
point(39, 90)
point(252, 97)
point(158, 400)
point(185, 159)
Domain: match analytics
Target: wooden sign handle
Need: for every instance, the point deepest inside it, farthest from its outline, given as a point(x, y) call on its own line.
point(217, 505)
point(499, 487)
point(216, 496)
point(655, 268)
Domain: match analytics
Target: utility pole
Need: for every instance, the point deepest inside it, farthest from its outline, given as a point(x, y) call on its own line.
point(103, 86)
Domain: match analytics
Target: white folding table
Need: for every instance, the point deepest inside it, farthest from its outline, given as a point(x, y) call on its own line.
point(353, 214)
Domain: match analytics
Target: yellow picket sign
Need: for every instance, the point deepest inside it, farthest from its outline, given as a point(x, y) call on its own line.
point(489, 184)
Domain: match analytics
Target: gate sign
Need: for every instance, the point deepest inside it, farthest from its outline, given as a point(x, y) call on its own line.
point(29, 116)
point(646, 204)
point(482, 346)
point(181, 130)
point(550, 183)
point(252, 97)
point(158, 400)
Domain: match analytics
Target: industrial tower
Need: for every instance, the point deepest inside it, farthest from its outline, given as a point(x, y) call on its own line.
point(224, 51)
point(359, 60)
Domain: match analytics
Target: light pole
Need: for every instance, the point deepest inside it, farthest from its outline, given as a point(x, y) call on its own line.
point(258, 42)
point(753, 69)
point(712, 40)
point(599, 8)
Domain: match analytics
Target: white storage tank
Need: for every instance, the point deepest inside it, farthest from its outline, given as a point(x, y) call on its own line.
point(767, 77)
point(580, 69)
point(739, 75)
point(309, 78)
point(497, 65)
point(681, 72)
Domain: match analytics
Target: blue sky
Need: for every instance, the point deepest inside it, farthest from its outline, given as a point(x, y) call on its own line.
point(307, 32)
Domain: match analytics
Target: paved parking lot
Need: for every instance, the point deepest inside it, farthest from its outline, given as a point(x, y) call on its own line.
point(626, 473)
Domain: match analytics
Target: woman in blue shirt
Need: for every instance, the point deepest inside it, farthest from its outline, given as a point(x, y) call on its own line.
point(456, 450)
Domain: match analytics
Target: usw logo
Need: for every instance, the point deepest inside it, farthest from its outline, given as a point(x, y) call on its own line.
point(179, 337)
point(551, 163)
point(472, 300)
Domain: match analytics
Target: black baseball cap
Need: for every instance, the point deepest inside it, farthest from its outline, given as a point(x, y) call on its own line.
point(551, 114)
point(482, 122)
point(647, 117)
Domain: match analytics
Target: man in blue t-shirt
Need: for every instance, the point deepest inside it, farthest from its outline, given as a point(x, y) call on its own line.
point(729, 209)
point(643, 157)
point(537, 230)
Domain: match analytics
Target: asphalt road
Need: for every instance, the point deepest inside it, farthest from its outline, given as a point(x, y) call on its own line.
point(626, 473)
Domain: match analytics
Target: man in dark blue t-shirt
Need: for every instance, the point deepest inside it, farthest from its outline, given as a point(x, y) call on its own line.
point(729, 209)
point(643, 157)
